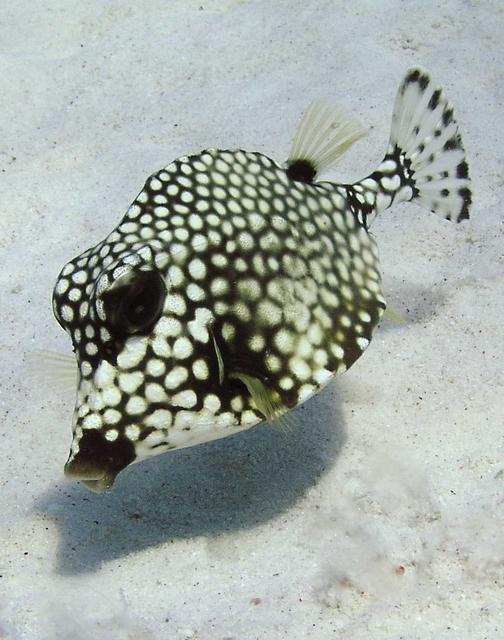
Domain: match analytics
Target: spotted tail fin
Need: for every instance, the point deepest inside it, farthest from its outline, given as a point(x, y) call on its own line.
point(425, 160)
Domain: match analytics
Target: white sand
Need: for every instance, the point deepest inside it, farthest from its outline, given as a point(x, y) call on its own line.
point(380, 515)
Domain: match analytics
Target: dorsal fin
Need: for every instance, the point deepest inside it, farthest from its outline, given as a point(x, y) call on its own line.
point(324, 134)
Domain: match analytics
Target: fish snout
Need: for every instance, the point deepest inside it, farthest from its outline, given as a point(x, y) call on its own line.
point(95, 478)
point(96, 461)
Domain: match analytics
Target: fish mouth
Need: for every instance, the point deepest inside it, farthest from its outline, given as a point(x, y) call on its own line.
point(95, 479)
point(95, 461)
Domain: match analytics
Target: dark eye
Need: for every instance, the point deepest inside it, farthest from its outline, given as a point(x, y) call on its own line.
point(135, 302)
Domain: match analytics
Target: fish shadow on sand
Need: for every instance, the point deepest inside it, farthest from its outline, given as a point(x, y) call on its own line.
point(220, 487)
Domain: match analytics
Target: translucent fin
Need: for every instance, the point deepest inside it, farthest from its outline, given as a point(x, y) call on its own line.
point(425, 131)
point(54, 368)
point(394, 316)
point(267, 401)
point(324, 134)
point(220, 361)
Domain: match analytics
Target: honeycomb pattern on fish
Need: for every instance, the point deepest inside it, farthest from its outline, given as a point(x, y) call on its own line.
point(288, 286)
point(229, 273)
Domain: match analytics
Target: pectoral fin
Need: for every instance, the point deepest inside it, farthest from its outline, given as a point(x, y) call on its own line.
point(267, 401)
point(218, 354)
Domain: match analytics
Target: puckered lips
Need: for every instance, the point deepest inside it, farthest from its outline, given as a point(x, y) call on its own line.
point(98, 461)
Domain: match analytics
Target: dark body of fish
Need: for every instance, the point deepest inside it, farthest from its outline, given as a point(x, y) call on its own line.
point(234, 288)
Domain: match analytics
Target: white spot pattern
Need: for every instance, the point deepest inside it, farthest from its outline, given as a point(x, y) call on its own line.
point(279, 272)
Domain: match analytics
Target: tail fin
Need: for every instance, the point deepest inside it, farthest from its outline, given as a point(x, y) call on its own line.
point(425, 161)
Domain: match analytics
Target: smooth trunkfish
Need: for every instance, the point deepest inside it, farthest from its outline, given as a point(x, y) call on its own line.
point(235, 288)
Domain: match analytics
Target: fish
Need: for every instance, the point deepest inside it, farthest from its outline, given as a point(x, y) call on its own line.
point(236, 287)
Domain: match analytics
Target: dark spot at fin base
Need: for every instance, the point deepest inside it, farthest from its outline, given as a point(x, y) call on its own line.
point(301, 171)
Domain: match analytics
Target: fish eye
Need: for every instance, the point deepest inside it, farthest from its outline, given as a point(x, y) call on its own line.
point(134, 302)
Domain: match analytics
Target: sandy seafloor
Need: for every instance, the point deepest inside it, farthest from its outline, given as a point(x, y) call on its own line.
point(380, 514)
